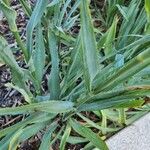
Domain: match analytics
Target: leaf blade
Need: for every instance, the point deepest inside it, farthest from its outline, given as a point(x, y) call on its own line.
point(89, 134)
point(49, 106)
point(34, 20)
point(54, 83)
point(89, 50)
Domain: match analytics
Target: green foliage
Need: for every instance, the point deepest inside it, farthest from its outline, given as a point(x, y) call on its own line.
point(89, 50)
point(93, 71)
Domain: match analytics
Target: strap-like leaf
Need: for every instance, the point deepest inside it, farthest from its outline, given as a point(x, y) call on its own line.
point(18, 75)
point(39, 55)
point(110, 37)
point(147, 8)
point(25, 133)
point(46, 140)
point(34, 20)
point(4, 143)
point(90, 57)
point(109, 103)
point(33, 118)
point(15, 140)
point(89, 134)
point(129, 69)
point(65, 137)
point(54, 83)
point(93, 124)
point(51, 107)
point(11, 15)
point(31, 130)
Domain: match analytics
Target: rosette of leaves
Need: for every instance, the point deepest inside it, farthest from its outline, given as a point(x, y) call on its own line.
point(89, 71)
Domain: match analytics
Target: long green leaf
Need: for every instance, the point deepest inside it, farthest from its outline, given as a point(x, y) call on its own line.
point(34, 20)
point(4, 143)
point(131, 68)
point(110, 37)
point(76, 140)
point(26, 7)
point(46, 140)
point(18, 76)
point(95, 125)
point(89, 134)
point(109, 103)
point(131, 104)
point(65, 137)
point(33, 118)
point(25, 133)
point(15, 140)
point(90, 56)
point(51, 107)
point(39, 55)
point(31, 130)
point(54, 83)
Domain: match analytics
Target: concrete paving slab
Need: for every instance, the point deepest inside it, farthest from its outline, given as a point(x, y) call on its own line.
point(134, 137)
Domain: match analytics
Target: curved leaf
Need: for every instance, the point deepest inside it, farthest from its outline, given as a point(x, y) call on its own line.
point(89, 134)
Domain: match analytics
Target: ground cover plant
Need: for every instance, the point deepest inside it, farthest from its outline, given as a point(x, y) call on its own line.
point(85, 73)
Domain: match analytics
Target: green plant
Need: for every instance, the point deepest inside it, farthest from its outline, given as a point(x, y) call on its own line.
point(87, 74)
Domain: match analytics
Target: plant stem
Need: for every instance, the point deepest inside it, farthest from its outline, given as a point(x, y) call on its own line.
point(21, 45)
